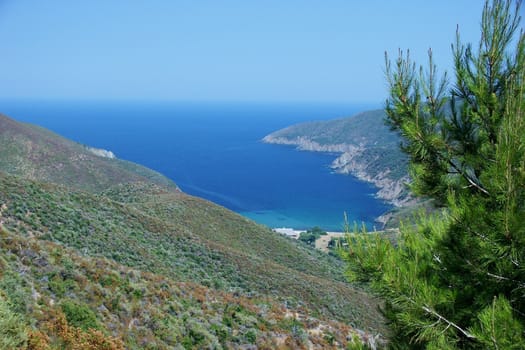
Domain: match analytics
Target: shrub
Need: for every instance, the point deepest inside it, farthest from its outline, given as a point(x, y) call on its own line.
point(13, 333)
point(79, 315)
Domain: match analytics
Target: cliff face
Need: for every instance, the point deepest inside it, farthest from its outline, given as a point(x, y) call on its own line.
point(390, 190)
point(367, 150)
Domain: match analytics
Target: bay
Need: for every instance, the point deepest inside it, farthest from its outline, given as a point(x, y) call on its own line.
point(214, 150)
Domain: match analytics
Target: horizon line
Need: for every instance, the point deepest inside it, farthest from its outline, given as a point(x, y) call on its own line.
point(186, 101)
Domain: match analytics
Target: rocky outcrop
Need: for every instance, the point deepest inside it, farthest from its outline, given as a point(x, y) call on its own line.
point(101, 152)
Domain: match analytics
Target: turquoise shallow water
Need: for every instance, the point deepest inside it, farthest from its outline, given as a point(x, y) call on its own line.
point(213, 150)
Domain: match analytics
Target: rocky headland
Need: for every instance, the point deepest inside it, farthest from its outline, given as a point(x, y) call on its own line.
point(352, 160)
point(363, 147)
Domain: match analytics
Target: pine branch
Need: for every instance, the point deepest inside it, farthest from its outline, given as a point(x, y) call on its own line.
point(450, 323)
point(464, 175)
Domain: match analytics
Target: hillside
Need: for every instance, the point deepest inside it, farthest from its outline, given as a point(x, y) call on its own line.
point(365, 146)
point(128, 249)
point(39, 154)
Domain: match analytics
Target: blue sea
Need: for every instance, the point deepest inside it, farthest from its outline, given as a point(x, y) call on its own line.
point(214, 151)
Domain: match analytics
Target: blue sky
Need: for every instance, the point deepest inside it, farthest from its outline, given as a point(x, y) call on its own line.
point(231, 50)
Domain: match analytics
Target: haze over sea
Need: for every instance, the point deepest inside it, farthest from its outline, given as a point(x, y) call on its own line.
point(214, 151)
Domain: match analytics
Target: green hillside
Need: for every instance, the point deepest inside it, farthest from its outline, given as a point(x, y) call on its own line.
point(368, 149)
point(58, 297)
point(125, 247)
point(39, 154)
point(364, 128)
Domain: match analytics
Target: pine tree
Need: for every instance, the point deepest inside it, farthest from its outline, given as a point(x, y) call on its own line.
point(456, 279)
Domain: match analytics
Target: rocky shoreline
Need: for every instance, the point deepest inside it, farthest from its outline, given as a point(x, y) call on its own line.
point(349, 162)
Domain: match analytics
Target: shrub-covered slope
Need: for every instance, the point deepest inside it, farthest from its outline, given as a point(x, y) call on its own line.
point(128, 218)
point(52, 297)
point(39, 154)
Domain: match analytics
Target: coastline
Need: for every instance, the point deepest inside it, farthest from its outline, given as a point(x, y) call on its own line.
point(349, 161)
point(346, 163)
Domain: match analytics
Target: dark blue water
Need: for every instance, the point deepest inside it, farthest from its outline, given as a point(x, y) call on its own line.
point(213, 150)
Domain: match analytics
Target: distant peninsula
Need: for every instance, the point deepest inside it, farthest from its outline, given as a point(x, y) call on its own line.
point(366, 148)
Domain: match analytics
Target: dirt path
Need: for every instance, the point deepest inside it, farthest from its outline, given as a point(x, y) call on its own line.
point(322, 242)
